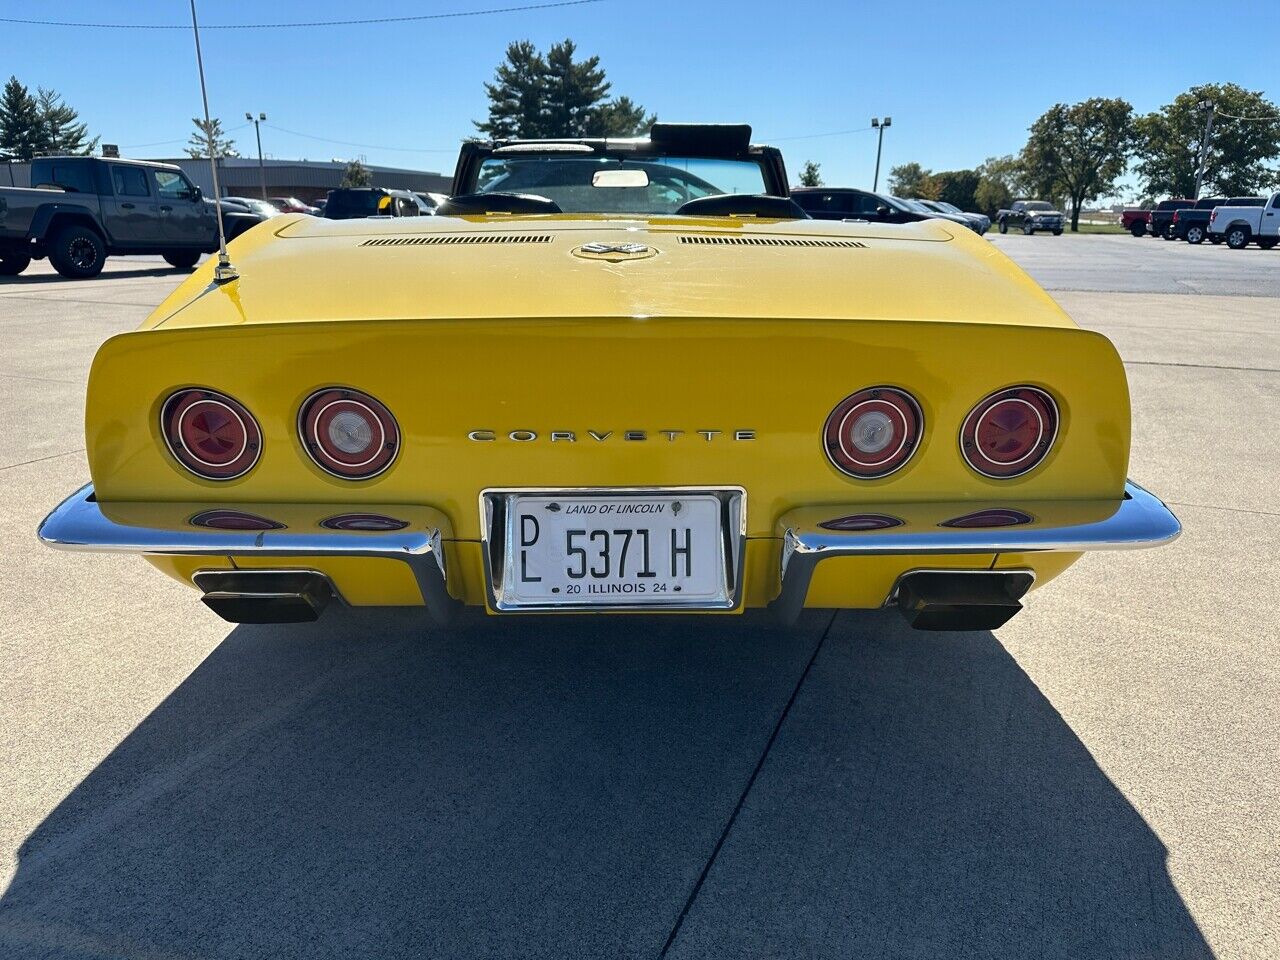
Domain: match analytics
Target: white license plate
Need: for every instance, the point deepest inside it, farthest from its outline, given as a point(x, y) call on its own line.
point(578, 550)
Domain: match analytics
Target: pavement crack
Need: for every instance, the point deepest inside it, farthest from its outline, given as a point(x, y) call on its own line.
point(52, 456)
point(1208, 506)
point(1200, 366)
point(19, 376)
point(746, 790)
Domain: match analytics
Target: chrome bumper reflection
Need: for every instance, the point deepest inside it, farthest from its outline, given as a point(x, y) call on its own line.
point(80, 523)
point(1138, 520)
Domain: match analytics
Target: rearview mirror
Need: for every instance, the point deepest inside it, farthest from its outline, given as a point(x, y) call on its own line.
point(197, 193)
point(620, 178)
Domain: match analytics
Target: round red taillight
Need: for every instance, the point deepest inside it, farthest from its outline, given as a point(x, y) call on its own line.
point(210, 434)
point(1009, 432)
point(862, 521)
point(363, 521)
point(998, 517)
point(873, 432)
point(233, 520)
point(348, 434)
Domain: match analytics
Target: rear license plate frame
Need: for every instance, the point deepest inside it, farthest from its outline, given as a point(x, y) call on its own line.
point(498, 533)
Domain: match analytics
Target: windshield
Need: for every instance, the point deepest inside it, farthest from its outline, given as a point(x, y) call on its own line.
point(614, 184)
point(1037, 205)
point(949, 207)
point(913, 205)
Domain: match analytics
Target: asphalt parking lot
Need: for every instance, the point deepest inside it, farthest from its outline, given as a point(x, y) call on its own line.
point(1100, 778)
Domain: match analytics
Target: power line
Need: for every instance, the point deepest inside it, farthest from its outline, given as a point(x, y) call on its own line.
point(1232, 116)
point(307, 23)
point(367, 146)
point(161, 143)
point(814, 136)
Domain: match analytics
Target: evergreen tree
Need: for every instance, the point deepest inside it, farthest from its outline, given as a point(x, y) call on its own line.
point(572, 91)
point(515, 96)
point(356, 175)
point(22, 135)
point(620, 118)
point(206, 133)
point(811, 174)
point(539, 97)
point(62, 129)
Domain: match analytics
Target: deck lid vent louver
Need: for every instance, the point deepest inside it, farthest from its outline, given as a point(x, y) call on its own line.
point(771, 241)
point(458, 239)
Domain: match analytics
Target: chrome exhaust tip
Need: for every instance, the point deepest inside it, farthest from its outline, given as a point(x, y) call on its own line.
point(961, 599)
point(265, 596)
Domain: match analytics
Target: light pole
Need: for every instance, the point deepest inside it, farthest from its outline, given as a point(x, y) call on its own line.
point(262, 173)
point(1207, 106)
point(881, 126)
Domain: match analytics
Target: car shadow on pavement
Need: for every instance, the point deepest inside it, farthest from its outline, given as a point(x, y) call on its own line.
point(366, 787)
point(925, 800)
point(41, 278)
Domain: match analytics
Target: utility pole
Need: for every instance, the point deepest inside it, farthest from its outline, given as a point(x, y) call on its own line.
point(881, 126)
point(262, 172)
point(1207, 106)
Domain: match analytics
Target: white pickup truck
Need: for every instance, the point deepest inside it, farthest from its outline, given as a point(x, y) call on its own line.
point(1240, 225)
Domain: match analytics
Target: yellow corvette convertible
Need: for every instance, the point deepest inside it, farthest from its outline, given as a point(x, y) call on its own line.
point(612, 375)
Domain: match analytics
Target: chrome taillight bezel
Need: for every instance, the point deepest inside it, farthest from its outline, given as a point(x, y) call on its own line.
point(364, 522)
point(240, 520)
point(1049, 426)
point(834, 429)
point(179, 404)
point(387, 446)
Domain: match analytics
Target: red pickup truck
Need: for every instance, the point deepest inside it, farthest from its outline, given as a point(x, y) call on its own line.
point(1135, 221)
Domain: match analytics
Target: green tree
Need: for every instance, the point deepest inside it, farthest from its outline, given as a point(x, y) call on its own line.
point(537, 97)
point(573, 89)
point(621, 118)
point(22, 134)
point(65, 135)
point(1000, 180)
point(515, 96)
point(210, 133)
point(356, 175)
point(1170, 141)
point(907, 179)
point(953, 186)
point(811, 174)
point(1079, 150)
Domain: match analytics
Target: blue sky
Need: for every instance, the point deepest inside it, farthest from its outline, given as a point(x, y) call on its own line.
point(962, 81)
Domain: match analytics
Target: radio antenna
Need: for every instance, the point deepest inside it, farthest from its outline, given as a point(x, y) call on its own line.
point(224, 271)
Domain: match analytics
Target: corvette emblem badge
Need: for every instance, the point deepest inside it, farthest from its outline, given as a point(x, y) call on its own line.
point(614, 252)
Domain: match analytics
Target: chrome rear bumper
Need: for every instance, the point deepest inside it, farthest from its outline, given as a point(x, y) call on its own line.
point(1138, 520)
point(79, 523)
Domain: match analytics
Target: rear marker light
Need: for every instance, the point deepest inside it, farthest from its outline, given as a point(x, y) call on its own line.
point(1009, 432)
point(989, 518)
point(211, 434)
point(233, 520)
point(862, 521)
point(363, 521)
point(873, 432)
point(348, 434)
